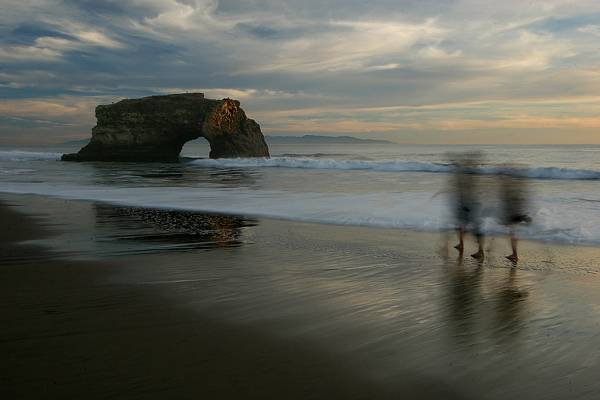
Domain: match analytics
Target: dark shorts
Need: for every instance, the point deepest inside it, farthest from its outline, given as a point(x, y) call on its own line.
point(467, 219)
point(463, 214)
point(518, 219)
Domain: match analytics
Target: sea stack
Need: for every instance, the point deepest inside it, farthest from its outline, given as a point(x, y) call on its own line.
point(155, 128)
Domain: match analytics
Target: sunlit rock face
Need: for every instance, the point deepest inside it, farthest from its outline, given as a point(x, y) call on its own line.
point(155, 128)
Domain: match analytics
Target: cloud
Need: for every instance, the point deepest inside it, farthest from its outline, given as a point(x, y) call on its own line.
point(495, 115)
point(28, 53)
point(99, 39)
point(384, 67)
point(350, 65)
point(233, 93)
point(591, 29)
point(350, 45)
point(357, 126)
point(64, 110)
point(217, 93)
point(53, 48)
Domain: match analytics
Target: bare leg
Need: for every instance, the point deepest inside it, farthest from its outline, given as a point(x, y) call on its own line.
point(513, 243)
point(459, 259)
point(461, 239)
point(480, 254)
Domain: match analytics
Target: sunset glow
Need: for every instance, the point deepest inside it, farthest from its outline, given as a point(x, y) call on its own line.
point(410, 71)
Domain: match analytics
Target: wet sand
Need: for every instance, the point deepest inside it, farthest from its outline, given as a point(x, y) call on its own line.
point(106, 301)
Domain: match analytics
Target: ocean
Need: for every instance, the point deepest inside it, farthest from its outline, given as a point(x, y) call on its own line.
point(376, 185)
point(128, 293)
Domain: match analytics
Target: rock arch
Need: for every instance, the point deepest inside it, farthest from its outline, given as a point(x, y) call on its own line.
point(155, 128)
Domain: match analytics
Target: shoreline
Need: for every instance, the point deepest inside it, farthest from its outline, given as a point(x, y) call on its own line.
point(106, 300)
point(428, 234)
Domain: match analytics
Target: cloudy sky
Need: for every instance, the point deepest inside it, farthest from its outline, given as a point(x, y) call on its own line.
point(412, 71)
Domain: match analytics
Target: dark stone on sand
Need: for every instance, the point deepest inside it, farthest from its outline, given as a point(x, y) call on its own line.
point(155, 128)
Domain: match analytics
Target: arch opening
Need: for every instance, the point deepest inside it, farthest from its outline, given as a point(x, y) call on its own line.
point(196, 148)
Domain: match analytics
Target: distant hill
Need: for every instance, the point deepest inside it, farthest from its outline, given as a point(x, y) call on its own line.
point(317, 139)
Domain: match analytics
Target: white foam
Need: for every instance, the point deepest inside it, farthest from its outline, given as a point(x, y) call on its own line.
point(408, 210)
point(17, 171)
point(320, 163)
point(393, 166)
point(20, 155)
point(554, 173)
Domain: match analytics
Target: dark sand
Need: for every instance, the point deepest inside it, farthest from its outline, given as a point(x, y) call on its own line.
point(99, 301)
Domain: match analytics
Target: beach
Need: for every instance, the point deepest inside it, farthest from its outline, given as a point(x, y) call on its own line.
point(222, 199)
point(102, 300)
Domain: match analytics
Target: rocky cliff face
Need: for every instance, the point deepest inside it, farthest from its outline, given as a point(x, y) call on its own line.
point(156, 128)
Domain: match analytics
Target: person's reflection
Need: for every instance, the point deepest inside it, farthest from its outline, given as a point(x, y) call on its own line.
point(468, 313)
point(510, 302)
point(465, 284)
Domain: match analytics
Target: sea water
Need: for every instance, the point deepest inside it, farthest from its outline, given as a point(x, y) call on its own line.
point(380, 185)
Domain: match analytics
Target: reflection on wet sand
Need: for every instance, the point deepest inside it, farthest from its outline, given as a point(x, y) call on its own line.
point(171, 229)
point(465, 297)
point(467, 307)
point(510, 302)
point(373, 302)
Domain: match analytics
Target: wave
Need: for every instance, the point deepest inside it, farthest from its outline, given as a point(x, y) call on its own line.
point(317, 162)
point(314, 163)
point(552, 221)
point(315, 155)
point(554, 173)
point(20, 155)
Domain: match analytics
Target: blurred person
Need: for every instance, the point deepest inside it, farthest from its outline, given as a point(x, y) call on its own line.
point(466, 203)
point(513, 193)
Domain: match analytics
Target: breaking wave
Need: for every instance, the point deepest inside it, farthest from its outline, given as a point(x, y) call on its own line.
point(20, 155)
point(394, 166)
point(317, 162)
point(405, 210)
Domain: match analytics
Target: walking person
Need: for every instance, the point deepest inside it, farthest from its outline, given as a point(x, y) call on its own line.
point(467, 207)
point(513, 193)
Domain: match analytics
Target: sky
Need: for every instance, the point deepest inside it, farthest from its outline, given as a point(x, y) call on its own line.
point(410, 71)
